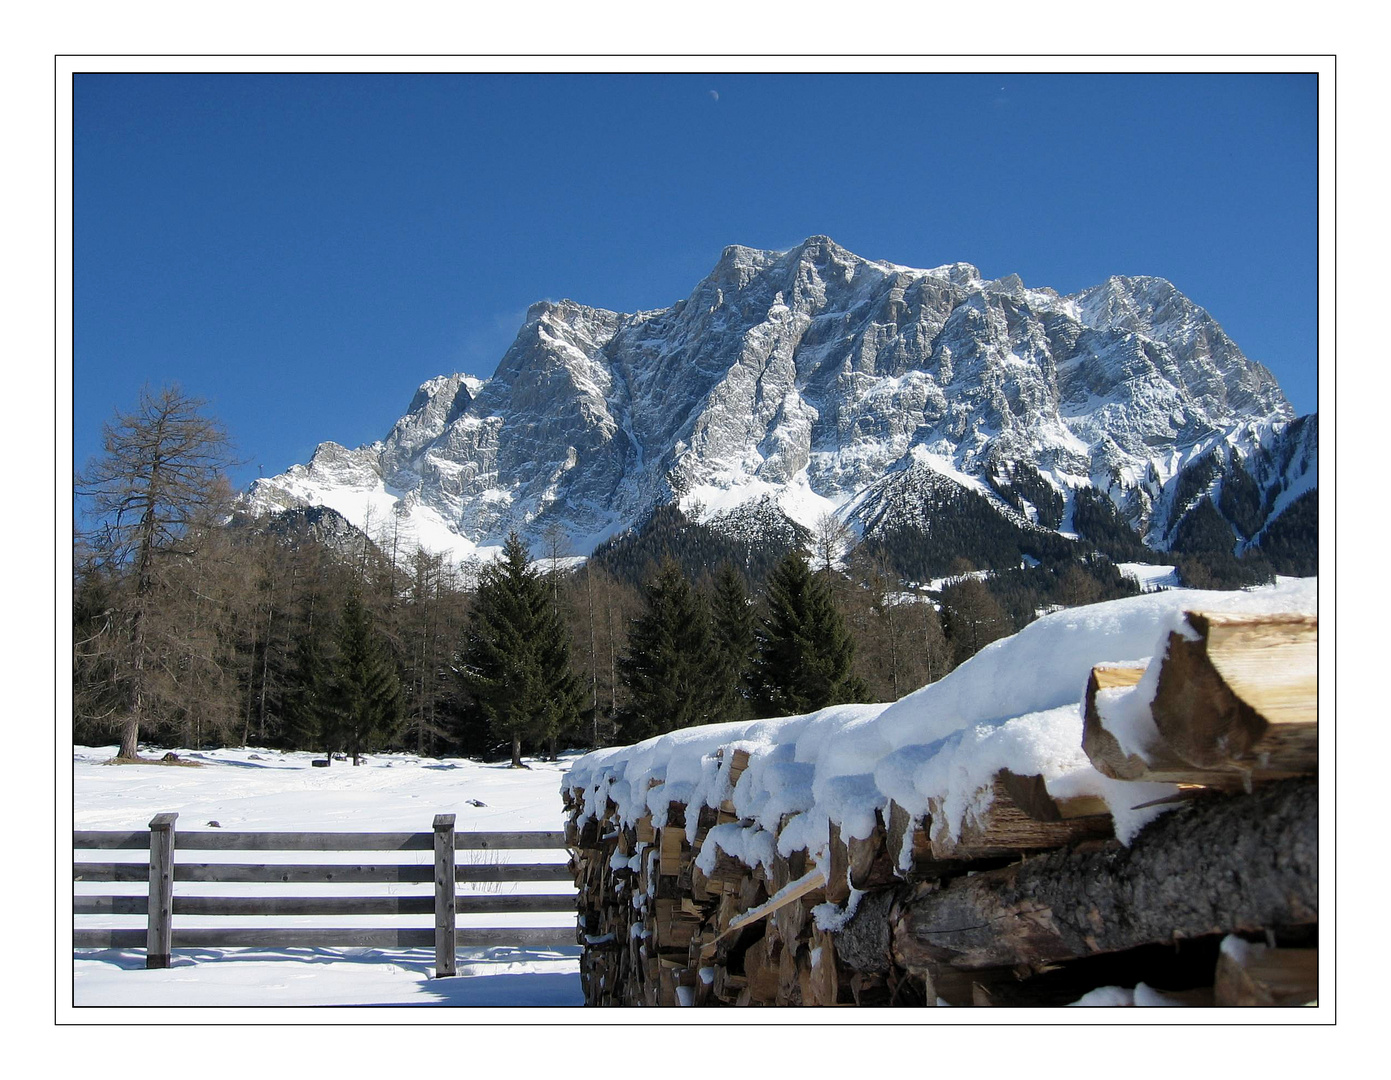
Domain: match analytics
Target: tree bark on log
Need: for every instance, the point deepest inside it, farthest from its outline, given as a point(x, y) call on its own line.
point(1240, 862)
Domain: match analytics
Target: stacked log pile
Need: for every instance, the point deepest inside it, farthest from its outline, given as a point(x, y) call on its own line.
point(1030, 900)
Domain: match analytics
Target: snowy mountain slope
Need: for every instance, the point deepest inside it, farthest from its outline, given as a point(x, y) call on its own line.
point(818, 380)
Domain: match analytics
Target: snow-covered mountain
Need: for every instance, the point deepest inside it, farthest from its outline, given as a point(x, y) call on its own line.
point(816, 381)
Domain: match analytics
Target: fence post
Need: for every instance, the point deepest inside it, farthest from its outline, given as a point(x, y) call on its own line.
point(444, 895)
point(161, 920)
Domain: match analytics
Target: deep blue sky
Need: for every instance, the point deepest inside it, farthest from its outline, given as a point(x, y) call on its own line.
point(303, 251)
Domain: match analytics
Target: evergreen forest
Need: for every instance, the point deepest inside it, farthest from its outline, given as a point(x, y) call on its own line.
point(197, 626)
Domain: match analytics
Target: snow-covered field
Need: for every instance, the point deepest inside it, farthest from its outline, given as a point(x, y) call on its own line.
point(1015, 705)
point(264, 790)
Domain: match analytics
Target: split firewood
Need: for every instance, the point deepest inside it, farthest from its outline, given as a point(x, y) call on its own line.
point(871, 863)
point(1250, 974)
point(762, 968)
point(789, 985)
point(1030, 794)
point(825, 983)
point(1243, 695)
point(671, 844)
point(809, 885)
point(1004, 828)
point(838, 869)
point(900, 827)
point(1159, 763)
point(738, 762)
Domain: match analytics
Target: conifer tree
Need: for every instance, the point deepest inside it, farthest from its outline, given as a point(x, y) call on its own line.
point(732, 645)
point(667, 667)
point(310, 714)
point(515, 659)
point(805, 651)
point(366, 694)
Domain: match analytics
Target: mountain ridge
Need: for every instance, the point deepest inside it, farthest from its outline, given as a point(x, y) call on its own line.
point(818, 380)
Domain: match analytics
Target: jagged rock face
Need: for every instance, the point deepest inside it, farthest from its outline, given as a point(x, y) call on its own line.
point(811, 377)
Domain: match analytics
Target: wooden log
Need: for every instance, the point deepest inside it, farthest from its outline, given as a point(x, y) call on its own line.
point(738, 762)
point(825, 984)
point(901, 827)
point(752, 891)
point(1030, 794)
point(1159, 763)
point(762, 969)
point(671, 845)
point(1220, 865)
point(864, 943)
point(809, 885)
point(726, 869)
point(666, 986)
point(1250, 974)
point(789, 985)
point(838, 870)
point(700, 884)
point(727, 986)
point(1003, 828)
point(1244, 695)
point(726, 911)
point(806, 994)
point(869, 990)
point(869, 861)
point(789, 921)
point(674, 929)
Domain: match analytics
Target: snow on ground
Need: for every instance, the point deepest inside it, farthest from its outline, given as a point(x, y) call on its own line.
point(1015, 705)
point(265, 790)
point(1150, 575)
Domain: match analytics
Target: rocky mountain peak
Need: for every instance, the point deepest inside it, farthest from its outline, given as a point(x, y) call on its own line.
point(803, 379)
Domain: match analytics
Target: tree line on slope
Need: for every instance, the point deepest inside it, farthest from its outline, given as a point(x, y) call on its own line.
point(195, 627)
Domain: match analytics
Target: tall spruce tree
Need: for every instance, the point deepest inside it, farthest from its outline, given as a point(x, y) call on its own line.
point(668, 664)
point(805, 652)
point(366, 694)
point(732, 645)
point(310, 713)
point(515, 658)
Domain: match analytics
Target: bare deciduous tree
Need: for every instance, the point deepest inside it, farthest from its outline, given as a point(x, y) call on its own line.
point(148, 497)
point(831, 537)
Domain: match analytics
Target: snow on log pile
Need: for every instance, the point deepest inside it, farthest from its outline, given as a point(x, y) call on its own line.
point(1119, 794)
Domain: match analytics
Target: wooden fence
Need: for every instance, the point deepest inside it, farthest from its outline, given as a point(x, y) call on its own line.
point(160, 905)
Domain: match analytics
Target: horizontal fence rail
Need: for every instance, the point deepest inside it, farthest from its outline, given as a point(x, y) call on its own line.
point(522, 937)
point(207, 840)
point(323, 905)
point(161, 871)
point(322, 873)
